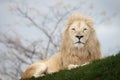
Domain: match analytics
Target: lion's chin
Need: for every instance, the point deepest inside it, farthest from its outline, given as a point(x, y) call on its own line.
point(79, 45)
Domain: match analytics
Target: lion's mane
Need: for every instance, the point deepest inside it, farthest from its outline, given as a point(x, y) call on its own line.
point(91, 49)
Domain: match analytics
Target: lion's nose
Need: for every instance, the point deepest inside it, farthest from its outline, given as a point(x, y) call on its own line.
point(79, 37)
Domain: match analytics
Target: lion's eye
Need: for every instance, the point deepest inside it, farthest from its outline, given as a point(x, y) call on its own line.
point(85, 29)
point(73, 29)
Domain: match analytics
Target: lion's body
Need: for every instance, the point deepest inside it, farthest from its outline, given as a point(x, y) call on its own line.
point(37, 69)
point(69, 54)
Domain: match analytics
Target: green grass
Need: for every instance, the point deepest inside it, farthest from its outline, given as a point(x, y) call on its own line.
point(104, 69)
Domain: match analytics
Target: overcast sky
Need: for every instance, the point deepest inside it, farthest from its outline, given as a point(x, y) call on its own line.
point(108, 31)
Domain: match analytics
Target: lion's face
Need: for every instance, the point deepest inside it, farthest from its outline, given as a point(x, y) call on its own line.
point(79, 32)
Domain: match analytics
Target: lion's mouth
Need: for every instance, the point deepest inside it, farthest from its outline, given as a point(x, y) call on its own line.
point(79, 42)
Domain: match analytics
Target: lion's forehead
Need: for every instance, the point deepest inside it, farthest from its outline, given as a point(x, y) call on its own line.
point(79, 24)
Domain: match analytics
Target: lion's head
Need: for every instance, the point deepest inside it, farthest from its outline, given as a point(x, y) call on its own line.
point(79, 39)
point(78, 31)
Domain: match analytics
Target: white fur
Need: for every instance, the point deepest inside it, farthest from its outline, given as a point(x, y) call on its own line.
point(40, 71)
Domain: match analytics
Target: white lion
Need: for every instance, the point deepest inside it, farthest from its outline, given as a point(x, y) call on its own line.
point(79, 46)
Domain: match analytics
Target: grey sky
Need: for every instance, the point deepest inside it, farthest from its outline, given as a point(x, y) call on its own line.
point(108, 31)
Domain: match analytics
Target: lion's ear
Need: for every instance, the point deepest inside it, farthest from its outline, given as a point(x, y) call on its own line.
point(74, 16)
point(68, 23)
point(89, 21)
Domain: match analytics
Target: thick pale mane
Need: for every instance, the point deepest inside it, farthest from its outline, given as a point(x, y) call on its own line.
point(76, 17)
point(91, 50)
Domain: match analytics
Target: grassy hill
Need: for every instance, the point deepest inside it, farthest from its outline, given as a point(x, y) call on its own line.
point(105, 69)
